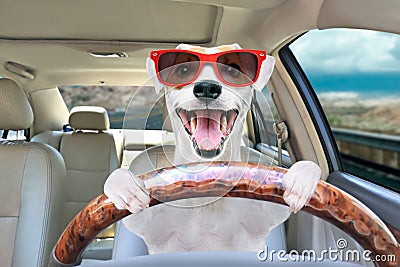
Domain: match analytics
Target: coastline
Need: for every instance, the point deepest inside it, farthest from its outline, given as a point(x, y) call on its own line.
point(350, 110)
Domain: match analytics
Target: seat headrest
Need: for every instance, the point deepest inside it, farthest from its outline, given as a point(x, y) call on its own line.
point(15, 111)
point(89, 118)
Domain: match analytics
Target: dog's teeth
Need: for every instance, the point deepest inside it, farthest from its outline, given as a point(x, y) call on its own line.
point(193, 124)
point(223, 124)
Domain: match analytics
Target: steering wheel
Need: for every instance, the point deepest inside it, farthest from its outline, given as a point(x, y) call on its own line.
point(237, 179)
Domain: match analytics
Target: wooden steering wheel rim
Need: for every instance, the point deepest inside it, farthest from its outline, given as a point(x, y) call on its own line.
point(328, 203)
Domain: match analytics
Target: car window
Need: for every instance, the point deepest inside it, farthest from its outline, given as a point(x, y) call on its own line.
point(146, 114)
point(356, 76)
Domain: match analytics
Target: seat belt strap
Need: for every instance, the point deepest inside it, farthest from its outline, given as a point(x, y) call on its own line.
point(282, 135)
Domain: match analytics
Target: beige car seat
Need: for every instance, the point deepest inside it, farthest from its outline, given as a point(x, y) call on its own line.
point(90, 154)
point(31, 188)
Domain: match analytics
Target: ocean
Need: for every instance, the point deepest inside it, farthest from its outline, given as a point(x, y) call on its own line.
point(363, 85)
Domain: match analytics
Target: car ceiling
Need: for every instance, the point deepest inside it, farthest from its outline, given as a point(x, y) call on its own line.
point(53, 38)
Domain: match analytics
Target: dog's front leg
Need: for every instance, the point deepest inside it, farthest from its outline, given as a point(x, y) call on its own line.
point(300, 183)
point(126, 191)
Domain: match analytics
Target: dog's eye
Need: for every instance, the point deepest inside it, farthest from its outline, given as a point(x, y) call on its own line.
point(233, 71)
point(182, 70)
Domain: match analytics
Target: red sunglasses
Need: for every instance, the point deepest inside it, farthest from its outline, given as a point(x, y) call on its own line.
point(234, 67)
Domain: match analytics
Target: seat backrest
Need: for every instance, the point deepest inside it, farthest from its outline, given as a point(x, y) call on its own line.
point(31, 187)
point(89, 152)
point(127, 244)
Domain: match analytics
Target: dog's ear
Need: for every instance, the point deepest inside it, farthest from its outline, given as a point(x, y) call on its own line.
point(185, 46)
point(265, 73)
point(151, 70)
point(236, 46)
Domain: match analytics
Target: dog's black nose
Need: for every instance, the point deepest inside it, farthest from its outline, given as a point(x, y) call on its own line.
point(207, 90)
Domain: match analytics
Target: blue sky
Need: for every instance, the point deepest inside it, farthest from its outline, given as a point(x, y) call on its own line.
point(350, 60)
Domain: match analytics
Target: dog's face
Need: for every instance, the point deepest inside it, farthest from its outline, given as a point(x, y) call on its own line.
point(207, 115)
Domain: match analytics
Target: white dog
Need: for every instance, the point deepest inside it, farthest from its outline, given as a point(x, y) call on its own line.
point(207, 118)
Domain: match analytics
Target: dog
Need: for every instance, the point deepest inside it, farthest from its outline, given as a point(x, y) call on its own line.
point(207, 117)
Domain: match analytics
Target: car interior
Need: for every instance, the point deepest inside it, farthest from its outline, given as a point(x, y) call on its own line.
point(55, 159)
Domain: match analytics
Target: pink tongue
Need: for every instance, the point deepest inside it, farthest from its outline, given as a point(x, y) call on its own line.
point(207, 133)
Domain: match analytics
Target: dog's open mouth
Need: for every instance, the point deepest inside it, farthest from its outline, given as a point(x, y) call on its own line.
point(208, 128)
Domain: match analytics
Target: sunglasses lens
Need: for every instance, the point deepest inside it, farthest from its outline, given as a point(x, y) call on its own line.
point(238, 67)
point(178, 67)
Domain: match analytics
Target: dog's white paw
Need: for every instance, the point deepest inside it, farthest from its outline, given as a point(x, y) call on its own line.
point(299, 183)
point(126, 191)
